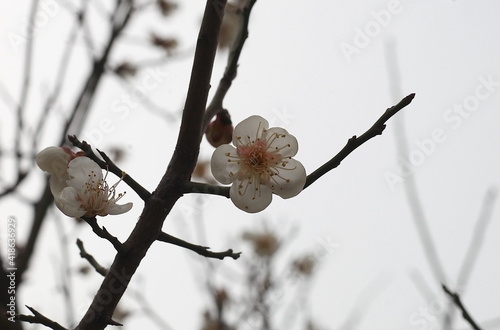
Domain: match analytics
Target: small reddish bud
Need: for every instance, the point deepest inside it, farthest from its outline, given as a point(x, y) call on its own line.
point(220, 131)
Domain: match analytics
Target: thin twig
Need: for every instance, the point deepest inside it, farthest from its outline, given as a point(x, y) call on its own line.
point(121, 16)
point(215, 105)
point(477, 239)
point(83, 253)
point(148, 310)
point(26, 84)
point(59, 83)
point(23, 99)
point(355, 142)
point(76, 119)
point(475, 246)
point(87, 35)
point(352, 144)
point(38, 318)
point(201, 250)
point(66, 284)
point(143, 303)
point(204, 188)
point(103, 233)
point(458, 302)
point(108, 165)
point(149, 104)
point(410, 187)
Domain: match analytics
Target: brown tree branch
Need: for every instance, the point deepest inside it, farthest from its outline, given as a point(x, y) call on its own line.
point(108, 165)
point(215, 105)
point(352, 144)
point(182, 164)
point(355, 142)
point(475, 245)
point(81, 107)
point(103, 233)
point(458, 302)
point(201, 250)
point(85, 255)
point(48, 105)
point(26, 84)
point(38, 318)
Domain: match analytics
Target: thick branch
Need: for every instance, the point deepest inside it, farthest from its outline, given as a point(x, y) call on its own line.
point(201, 250)
point(38, 318)
point(181, 166)
point(458, 302)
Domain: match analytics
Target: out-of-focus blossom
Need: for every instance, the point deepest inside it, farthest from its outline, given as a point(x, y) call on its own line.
point(167, 44)
point(265, 244)
point(304, 265)
point(166, 7)
point(126, 69)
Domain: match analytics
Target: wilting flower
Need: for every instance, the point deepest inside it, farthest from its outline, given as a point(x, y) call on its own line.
point(78, 185)
point(259, 164)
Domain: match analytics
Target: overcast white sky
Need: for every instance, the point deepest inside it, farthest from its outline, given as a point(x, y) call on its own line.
point(318, 69)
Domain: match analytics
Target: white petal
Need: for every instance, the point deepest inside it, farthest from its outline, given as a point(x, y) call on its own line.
point(251, 196)
point(249, 130)
point(114, 209)
point(53, 160)
point(295, 173)
point(81, 169)
point(57, 184)
point(283, 142)
point(68, 202)
point(224, 167)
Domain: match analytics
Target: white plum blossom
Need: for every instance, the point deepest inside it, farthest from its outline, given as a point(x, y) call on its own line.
point(78, 185)
point(259, 164)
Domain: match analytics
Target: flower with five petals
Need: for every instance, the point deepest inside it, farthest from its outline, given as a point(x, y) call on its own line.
point(78, 185)
point(259, 164)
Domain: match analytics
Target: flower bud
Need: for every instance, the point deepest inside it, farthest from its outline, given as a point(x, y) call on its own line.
point(220, 131)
